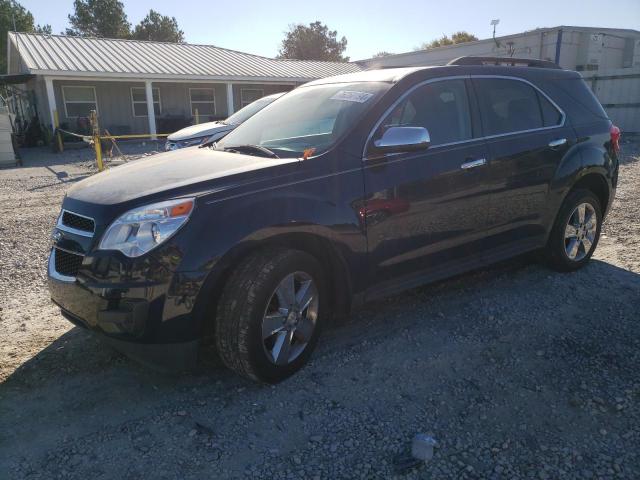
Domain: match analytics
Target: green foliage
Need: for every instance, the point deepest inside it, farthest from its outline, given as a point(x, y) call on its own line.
point(10, 12)
point(43, 29)
point(159, 28)
point(462, 37)
point(382, 54)
point(313, 42)
point(457, 37)
point(99, 18)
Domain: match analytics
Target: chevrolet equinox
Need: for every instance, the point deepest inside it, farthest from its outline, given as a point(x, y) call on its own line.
point(341, 191)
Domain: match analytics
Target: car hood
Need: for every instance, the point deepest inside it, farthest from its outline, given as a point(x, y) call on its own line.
point(186, 171)
point(200, 130)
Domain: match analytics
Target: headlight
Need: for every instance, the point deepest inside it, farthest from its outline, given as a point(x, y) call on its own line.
point(144, 228)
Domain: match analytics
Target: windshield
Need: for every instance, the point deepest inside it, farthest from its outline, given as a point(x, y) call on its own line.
point(249, 111)
point(308, 119)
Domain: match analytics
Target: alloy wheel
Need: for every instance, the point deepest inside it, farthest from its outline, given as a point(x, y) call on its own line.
point(290, 318)
point(580, 232)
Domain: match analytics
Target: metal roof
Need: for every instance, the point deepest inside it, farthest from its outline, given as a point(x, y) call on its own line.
point(99, 57)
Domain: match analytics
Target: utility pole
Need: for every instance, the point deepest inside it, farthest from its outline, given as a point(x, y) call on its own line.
point(494, 23)
point(13, 14)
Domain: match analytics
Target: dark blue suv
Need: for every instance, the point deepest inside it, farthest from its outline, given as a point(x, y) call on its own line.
point(342, 191)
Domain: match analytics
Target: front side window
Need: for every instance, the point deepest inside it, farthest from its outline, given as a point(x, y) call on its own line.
point(508, 106)
point(203, 100)
point(139, 101)
point(441, 107)
point(249, 95)
point(312, 117)
point(79, 100)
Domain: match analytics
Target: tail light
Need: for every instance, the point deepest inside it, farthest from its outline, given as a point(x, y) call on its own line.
point(615, 138)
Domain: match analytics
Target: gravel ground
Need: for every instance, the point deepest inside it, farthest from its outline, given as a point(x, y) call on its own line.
point(517, 371)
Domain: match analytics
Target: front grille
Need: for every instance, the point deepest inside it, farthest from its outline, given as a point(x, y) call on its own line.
point(67, 263)
point(78, 222)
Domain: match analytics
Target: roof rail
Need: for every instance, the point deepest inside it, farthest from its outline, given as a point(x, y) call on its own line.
point(514, 62)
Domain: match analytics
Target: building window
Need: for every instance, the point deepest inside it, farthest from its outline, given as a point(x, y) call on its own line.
point(250, 95)
point(139, 101)
point(203, 100)
point(79, 100)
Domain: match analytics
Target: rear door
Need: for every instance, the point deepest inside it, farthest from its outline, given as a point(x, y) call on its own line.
point(526, 138)
point(427, 209)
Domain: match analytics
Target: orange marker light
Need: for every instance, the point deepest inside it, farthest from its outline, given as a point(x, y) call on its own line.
point(308, 152)
point(181, 209)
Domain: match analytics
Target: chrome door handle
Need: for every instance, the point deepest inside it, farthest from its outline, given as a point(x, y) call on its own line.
point(557, 142)
point(473, 163)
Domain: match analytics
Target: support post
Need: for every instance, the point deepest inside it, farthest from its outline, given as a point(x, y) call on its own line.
point(95, 130)
point(56, 132)
point(558, 46)
point(230, 108)
point(51, 99)
point(151, 114)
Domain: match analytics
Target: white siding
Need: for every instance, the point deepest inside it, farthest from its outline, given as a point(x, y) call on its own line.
point(619, 92)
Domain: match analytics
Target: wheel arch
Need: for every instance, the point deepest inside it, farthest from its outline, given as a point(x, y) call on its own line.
point(596, 183)
point(319, 246)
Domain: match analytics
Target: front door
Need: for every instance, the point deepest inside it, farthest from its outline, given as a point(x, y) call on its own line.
point(426, 210)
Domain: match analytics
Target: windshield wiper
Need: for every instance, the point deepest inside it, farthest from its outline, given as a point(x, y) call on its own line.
point(251, 148)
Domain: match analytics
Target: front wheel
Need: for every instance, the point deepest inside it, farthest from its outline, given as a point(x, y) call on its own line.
point(576, 231)
point(269, 316)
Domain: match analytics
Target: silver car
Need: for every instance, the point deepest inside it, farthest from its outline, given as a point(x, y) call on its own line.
point(197, 134)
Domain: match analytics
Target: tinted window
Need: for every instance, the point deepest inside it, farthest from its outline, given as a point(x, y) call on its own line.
point(508, 106)
point(550, 114)
point(575, 97)
point(441, 107)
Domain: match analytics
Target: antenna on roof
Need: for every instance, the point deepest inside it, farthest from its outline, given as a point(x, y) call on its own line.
point(493, 24)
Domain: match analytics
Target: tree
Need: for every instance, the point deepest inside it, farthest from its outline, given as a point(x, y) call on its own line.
point(99, 18)
point(159, 28)
point(10, 12)
point(313, 42)
point(462, 37)
point(43, 29)
point(457, 37)
point(382, 54)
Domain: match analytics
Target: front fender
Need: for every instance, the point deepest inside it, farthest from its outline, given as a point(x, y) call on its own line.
point(241, 221)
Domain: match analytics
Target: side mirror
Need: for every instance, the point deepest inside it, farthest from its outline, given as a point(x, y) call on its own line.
point(402, 139)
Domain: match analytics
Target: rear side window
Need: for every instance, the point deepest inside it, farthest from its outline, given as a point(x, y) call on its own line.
point(510, 106)
point(550, 115)
point(576, 99)
point(440, 107)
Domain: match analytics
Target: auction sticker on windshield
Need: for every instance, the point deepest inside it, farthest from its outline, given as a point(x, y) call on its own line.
point(352, 96)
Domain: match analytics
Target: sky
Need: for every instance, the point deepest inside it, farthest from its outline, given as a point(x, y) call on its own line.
point(370, 26)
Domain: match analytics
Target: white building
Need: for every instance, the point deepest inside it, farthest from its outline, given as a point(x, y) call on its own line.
point(609, 59)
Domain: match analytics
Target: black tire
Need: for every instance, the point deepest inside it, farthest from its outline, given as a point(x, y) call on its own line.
point(555, 251)
point(242, 306)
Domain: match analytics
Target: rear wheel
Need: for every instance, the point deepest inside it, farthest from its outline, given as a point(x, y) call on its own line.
point(270, 313)
point(576, 232)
